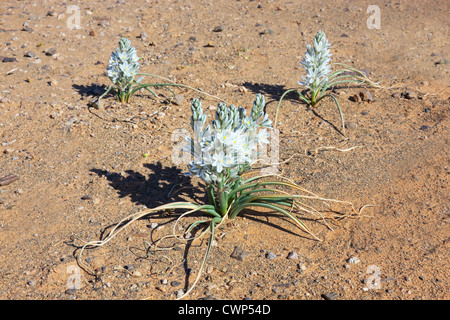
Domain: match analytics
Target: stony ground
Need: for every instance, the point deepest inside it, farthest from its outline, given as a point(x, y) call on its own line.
point(81, 170)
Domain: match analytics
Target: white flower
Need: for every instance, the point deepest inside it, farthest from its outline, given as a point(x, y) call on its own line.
point(218, 161)
point(263, 137)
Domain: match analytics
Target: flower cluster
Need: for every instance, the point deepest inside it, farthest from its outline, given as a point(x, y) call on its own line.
point(224, 151)
point(316, 63)
point(123, 65)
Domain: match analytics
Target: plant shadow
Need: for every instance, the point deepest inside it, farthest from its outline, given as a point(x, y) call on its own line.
point(163, 185)
point(273, 92)
point(92, 90)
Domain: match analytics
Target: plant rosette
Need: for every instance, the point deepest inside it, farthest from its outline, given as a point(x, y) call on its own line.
point(319, 76)
point(223, 156)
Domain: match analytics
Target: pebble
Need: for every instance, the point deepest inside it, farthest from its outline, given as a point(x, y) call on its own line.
point(355, 98)
point(9, 59)
point(353, 260)
point(410, 95)
point(218, 29)
point(366, 96)
point(270, 255)
point(397, 95)
point(239, 253)
point(180, 293)
point(51, 52)
point(175, 283)
point(71, 291)
point(29, 54)
point(178, 100)
point(292, 255)
point(330, 296)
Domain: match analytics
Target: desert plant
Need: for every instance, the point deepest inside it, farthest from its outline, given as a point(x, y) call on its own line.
point(223, 156)
point(122, 70)
point(320, 77)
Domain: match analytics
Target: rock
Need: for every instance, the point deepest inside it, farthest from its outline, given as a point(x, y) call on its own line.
point(366, 96)
point(153, 225)
point(51, 52)
point(29, 54)
point(86, 197)
point(351, 125)
point(9, 59)
point(129, 267)
point(27, 29)
point(71, 291)
point(175, 283)
point(292, 255)
point(218, 29)
point(180, 293)
point(143, 35)
point(410, 95)
point(239, 253)
point(423, 128)
point(353, 260)
point(93, 33)
point(355, 98)
point(397, 95)
point(178, 100)
point(330, 296)
point(270, 255)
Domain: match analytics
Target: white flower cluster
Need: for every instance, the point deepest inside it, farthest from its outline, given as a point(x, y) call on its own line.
point(228, 148)
point(123, 64)
point(316, 63)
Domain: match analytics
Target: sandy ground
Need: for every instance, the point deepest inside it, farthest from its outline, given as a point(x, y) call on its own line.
point(81, 170)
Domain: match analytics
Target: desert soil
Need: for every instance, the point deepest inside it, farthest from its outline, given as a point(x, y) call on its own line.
point(81, 170)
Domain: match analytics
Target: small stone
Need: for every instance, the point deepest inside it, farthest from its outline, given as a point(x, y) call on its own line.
point(410, 95)
point(31, 283)
point(397, 95)
point(423, 128)
point(270, 255)
point(86, 197)
point(351, 125)
point(27, 29)
point(175, 283)
point(353, 260)
point(355, 98)
point(218, 29)
point(239, 253)
point(71, 291)
point(301, 267)
point(153, 225)
point(9, 59)
point(180, 293)
point(178, 100)
point(292, 255)
point(129, 267)
point(330, 296)
point(29, 54)
point(93, 33)
point(51, 52)
point(366, 96)
point(136, 273)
